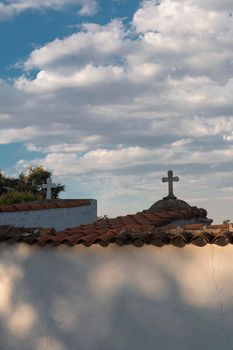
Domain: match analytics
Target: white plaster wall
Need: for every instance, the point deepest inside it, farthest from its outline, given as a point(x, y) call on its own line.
point(116, 298)
point(57, 218)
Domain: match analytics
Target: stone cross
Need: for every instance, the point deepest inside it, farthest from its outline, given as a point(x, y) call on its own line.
point(48, 186)
point(170, 179)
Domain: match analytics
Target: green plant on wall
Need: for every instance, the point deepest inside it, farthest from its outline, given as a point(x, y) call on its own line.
point(15, 197)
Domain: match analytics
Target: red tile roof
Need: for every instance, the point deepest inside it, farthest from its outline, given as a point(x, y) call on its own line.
point(139, 229)
point(54, 204)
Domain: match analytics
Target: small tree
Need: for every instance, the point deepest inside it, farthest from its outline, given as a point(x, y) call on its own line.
point(2, 184)
point(7, 184)
point(36, 178)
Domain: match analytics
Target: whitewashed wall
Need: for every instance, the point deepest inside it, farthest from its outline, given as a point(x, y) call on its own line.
point(57, 218)
point(116, 298)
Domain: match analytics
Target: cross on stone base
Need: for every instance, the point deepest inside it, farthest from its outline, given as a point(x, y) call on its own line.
point(170, 179)
point(48, 186)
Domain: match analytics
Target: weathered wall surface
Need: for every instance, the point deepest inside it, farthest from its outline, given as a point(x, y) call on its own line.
point(57, 218)
point(116, 298)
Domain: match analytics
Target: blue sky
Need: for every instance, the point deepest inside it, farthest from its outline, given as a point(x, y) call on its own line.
point(109, 95)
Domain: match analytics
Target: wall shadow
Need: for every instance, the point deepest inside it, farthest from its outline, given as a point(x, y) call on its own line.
point(115, 298)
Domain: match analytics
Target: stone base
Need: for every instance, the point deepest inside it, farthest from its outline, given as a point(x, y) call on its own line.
point(168, 203)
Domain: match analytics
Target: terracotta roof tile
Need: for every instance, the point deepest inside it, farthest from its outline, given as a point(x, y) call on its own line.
point(59, 203)
point(139, 229)
point(47, 231)
point(7, 208)
point(68, 240)
point(62, 204)
point(35, 206)
point(20, 207)
point(194, 227)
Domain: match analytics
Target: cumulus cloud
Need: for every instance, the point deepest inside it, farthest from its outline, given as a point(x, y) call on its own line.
point(180, 18)
point(93, 42)
point(88, 76)
point(110, 160)
point(11, 8)
point(128, 100)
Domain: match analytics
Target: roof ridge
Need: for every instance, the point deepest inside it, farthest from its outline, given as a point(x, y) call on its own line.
point(37, 205)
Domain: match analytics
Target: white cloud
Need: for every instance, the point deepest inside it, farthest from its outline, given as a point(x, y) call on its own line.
point(89, 76)
point(89, 8)
point(11, 8)
point(14, 135)
point(184, 19)
point(94, 42)
point(161, 77)
point(107, 160)
point(72, 164)
point(223, 5)
point(84, 145)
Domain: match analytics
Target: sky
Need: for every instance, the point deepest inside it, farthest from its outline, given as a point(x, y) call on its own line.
point(111, 94)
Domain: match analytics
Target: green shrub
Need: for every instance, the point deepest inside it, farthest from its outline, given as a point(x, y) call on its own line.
point(15, 197)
